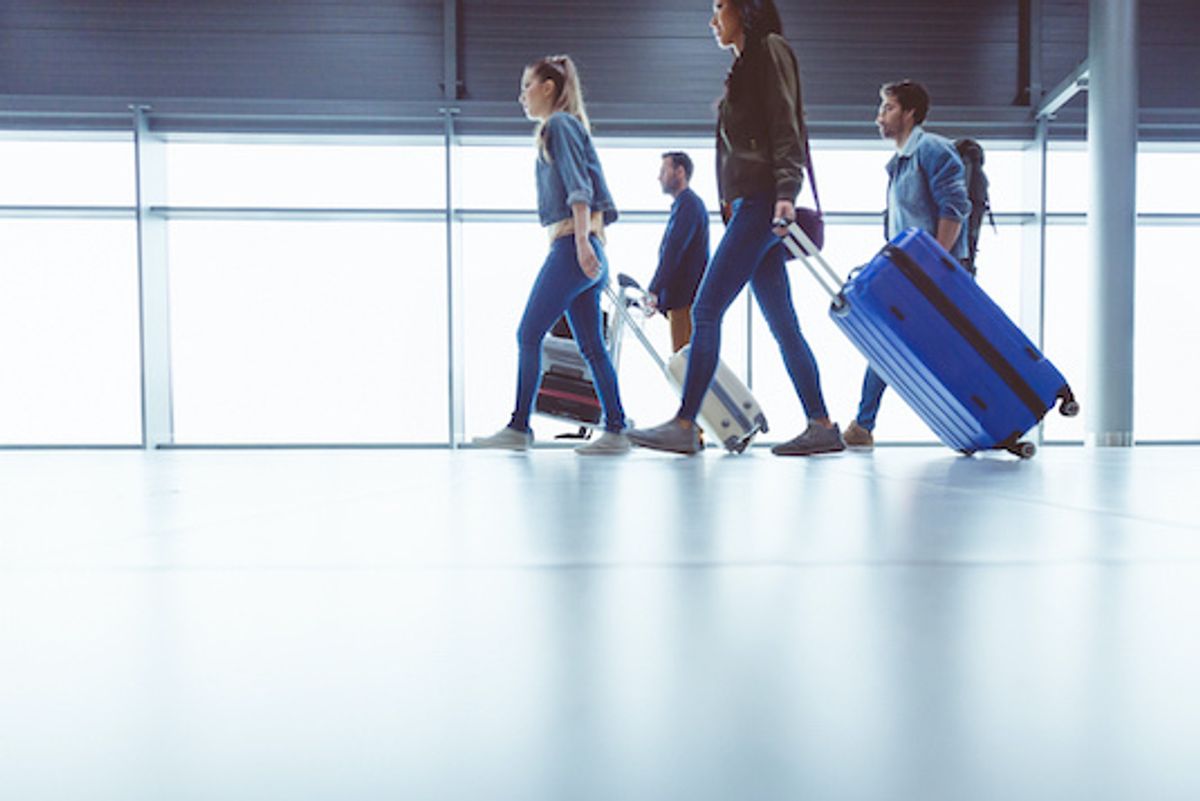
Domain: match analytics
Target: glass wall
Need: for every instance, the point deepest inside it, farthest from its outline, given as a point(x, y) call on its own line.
point(69, 316)
point(308, 292)
point(309, 299)
point(1166, 281)
point(308, 331)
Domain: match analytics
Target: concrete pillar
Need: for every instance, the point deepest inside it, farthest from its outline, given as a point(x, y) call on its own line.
point(1112, 220)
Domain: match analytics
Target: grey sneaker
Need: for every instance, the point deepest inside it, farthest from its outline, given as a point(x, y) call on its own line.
point(670, 436)
point(815, 439)
point(610, 443)
point(858, 438)
point(506, 439)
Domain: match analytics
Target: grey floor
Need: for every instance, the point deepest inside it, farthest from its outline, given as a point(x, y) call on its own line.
point(433, 625)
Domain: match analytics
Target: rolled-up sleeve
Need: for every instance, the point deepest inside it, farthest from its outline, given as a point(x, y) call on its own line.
point(564, 142)
point(947, 182)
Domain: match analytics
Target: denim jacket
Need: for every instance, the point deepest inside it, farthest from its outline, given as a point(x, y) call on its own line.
point(925, 184)
point(572, 174)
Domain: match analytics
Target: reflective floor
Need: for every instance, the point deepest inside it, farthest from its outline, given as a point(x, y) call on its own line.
point(432, 625)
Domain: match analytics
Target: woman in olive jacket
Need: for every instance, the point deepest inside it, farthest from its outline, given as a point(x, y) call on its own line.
point(760, 158)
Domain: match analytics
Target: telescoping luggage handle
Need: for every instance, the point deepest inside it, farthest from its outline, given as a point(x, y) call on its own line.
point(622, 303)
point(803, 249)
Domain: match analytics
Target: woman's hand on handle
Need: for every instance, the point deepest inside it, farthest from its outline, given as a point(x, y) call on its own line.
point(785, 213)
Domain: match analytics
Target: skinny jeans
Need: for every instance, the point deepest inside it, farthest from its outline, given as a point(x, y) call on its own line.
point(560, 287)
point(750, 252)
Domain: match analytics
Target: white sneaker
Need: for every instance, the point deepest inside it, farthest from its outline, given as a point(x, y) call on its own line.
point(506, 439)
point(610, 443)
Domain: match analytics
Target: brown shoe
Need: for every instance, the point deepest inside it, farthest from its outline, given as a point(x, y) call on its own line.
point(858, 437)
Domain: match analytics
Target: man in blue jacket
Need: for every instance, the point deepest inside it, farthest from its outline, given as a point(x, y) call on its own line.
point(927, 190)
point(683, 254)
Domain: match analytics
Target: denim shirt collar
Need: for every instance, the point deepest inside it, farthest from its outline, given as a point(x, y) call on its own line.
point(910, 146)
point(907, 152)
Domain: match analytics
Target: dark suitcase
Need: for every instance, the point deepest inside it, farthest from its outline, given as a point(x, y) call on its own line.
point(566, 391)
point(946, 348)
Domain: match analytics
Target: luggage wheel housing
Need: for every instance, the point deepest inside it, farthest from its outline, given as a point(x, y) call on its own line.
point(1025, 450)
point(1022, 449)
point(1069, 407)
point(739, 444)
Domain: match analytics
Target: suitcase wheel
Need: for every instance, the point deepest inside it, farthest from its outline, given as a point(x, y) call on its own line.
point(1069, 406)
point(1025, 450)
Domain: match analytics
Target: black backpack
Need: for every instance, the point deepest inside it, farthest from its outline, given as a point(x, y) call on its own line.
point(971, 153)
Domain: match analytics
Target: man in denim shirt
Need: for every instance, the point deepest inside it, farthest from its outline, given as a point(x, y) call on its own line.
point(927, 190)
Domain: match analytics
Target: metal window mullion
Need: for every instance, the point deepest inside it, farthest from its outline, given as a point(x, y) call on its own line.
point(154, 296)
point(1036, 23)
point(67, 212)
point(454, 289)
point(455, 347)
point(1043, 144)
point(282, 213)
point(1033, 252)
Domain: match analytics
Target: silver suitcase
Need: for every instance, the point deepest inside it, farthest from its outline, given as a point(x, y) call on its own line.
point(728, 412)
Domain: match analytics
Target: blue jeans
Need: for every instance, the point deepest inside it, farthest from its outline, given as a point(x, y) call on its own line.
point(872, 394)
point(562, 286)
point(749, 252)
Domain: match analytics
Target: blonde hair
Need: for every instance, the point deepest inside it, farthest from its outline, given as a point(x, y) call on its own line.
point(568, 93)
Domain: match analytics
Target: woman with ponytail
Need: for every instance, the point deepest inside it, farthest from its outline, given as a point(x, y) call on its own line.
point(761, 149)
point(574, 205)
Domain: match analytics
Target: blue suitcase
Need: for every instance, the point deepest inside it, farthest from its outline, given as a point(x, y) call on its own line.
point(954, 356)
